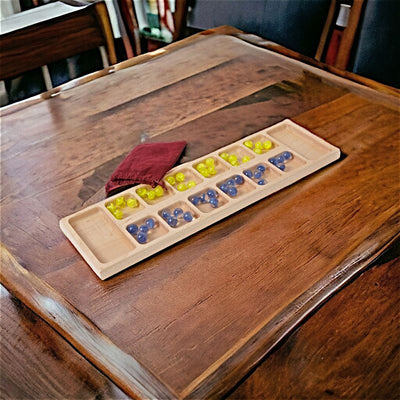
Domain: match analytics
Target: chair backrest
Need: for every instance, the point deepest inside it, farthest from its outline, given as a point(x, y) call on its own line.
point(376, 54)
point(295, 24)
point(50, 33)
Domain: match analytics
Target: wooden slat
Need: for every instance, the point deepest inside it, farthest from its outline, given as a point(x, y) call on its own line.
point(349, 34)
point(326, 30)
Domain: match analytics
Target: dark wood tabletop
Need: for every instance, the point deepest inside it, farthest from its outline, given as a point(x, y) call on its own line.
point(196, 319)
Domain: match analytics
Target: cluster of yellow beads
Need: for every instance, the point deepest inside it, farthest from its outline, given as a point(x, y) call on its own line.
point(207, 168)
point(115, 207)
point(178, 181)
point(258, 147)
point(150, 194)
point(233, 159)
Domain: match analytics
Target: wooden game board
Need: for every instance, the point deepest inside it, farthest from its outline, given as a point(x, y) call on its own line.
point(107, 246)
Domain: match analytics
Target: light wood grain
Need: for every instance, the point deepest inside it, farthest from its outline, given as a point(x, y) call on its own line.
point(106, 246)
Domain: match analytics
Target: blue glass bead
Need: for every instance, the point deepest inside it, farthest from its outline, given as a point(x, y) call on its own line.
point(238, 179)
point(248, 173)
point(282, 167)
point(195, 200)
point(257, 174)
point(211, 193)
point(230, 182)
point(272, 160)
point(214, 202)
point(232, 191)
point(178, 211)
point(187, 216)
point(261, 168)
point(132, 229)
point(261, 182)
point(172, 221)
point(165, 213)
point(150, 223)
point(287, 155)
point(203, 198)
point(280, 159)
point(224, 187)
point(143, 228)
point(141, 237)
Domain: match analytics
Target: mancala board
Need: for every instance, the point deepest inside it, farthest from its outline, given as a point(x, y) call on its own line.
point(122, 230)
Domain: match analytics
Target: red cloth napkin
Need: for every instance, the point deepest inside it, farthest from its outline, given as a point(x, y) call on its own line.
point(146, 163)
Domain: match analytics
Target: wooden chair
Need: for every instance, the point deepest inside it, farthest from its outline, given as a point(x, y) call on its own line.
point(35, 38)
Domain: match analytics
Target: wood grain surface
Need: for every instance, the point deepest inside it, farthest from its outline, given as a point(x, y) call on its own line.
point(76, 329)
point(201, 314)
point(37, 363)
point(348, 349)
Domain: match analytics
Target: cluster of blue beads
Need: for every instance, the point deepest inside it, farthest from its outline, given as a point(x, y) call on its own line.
point(280, 160)
point(209, 196)
point(172, 218)
point(229, 186)
point(256, 174)
point(141, 232)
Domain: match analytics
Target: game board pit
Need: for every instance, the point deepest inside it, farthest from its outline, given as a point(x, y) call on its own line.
point(151, 233)
point(233, 188)
point(236, 155)
point(181, 219)
point(101, 235)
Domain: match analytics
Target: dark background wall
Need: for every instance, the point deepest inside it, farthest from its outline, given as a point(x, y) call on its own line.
point(298, 24)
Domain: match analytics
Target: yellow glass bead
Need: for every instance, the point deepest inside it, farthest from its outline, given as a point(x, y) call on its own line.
point(118, 213)
point(201, 167)
point(205, 173)
point(159, 191)
point(142, 192)
point(191, 184)
point(246, 159)
point(258, 145)
point(232, 158)
point(151, 194)
point(120, 202)
point(267, 145)
point(212, 170)
point(180, 177)
point(132, 203)
point(110, 207)
point(258, 151)
point(224, 156)
point(209, 162)
point(181, 187)
point(249, 144)
point(171, 180)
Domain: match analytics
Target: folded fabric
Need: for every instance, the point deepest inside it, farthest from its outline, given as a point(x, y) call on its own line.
point(146, 163)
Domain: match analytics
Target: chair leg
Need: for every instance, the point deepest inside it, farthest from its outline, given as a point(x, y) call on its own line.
point(47, 77)
point(104, 57)
point(3, 94)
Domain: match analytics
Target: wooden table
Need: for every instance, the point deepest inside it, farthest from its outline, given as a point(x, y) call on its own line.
point(196, 319)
